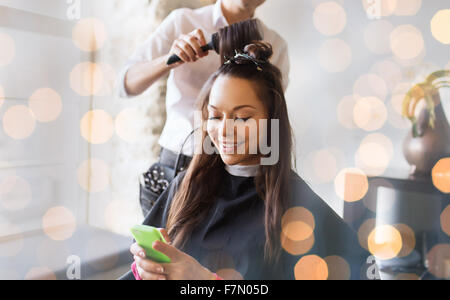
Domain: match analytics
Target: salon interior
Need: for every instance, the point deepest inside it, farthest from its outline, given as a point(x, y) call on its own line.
point(367, 98)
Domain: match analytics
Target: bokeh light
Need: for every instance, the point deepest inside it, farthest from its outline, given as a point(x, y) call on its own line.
point(370, 114)
point(395, 107)
point(385, 242)
point(397, 103)
point(438, 261)
point(97, 127)
point(109, 76)
point(335, 55)
point(407, 42)
point(338, 268)
point(441, 175)
point(372, 158)
point(408, 7)
point(12, 242)
point(45, 104)
point(345, 112)
point(351, 184)
point(445, 220)
point(389, 71)
point(40, 273)
point(376, 36)
point(374, 154)
point(15, 193)
point(127, 126)
point(364, 231)
point(330, 18)
point(370, 85)
point(297, 247)
point(89, 34)
point(2, 96)
point(19, 122)
point(408, 239)
point(93, 175)
point(87, 79)
point(311, 267)
point(120, 215)
point(440, 25)
point(7, 50)
point(298, 224)
point(59, 223)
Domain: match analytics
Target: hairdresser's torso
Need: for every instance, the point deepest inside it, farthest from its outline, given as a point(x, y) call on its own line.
point(186, 81)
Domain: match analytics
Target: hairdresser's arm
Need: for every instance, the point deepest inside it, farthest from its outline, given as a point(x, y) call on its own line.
point(143, 74)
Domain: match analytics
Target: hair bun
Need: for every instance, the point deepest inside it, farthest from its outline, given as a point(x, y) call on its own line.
point(259, 50)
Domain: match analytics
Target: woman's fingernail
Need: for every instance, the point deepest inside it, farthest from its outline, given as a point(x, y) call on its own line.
point(160, 270)
point(142, 254)
point(162, 278)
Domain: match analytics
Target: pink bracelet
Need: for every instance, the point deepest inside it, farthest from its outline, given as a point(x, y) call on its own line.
point(217, 277)
point(135, 271)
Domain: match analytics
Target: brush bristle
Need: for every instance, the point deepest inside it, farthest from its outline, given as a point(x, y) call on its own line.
point(235, 37)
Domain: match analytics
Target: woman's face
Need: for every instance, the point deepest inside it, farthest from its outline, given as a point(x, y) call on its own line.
point(235, 118)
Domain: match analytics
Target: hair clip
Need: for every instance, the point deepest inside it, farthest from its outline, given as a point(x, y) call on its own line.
point(247, 57)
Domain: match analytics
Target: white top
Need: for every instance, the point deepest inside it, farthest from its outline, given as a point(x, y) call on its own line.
point(242, 171)
point(186, 81)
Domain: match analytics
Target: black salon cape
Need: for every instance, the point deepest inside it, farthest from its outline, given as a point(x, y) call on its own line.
point(233, 237)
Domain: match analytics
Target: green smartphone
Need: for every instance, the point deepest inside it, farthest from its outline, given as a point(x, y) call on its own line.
point(145, 236)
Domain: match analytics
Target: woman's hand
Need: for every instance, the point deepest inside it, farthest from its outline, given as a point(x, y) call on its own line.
point(182, 266)
point(188, 47)
point(148, 269)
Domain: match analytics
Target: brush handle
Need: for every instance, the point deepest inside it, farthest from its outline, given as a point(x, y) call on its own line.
point(174, 58)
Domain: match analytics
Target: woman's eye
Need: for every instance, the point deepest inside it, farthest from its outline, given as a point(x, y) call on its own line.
point(242, 119)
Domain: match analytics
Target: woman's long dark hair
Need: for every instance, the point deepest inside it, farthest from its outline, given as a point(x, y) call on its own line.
point(196, 194)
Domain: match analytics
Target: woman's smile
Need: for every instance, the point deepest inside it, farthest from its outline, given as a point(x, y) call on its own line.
point(229, 148)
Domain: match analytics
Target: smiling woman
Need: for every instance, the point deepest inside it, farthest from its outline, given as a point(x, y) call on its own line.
point(225, 211)
point(234, 118)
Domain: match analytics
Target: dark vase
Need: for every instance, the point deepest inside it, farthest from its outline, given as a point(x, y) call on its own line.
point(424, 151)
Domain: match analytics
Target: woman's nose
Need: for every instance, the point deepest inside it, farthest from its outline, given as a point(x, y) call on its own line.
point(227, 128)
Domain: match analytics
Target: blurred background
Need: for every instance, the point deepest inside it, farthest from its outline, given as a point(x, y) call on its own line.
point(71, 151)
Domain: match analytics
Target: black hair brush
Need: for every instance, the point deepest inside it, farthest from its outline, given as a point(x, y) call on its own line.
point(231, 38)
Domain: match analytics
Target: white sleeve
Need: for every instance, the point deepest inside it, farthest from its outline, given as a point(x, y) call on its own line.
point(157, 45)
point(285, 66)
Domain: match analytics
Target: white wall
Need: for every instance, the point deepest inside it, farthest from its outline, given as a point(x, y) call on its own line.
point(48, 159)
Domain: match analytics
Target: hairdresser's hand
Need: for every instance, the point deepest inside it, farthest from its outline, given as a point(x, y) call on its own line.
point(148, 269)
point(188, 47)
